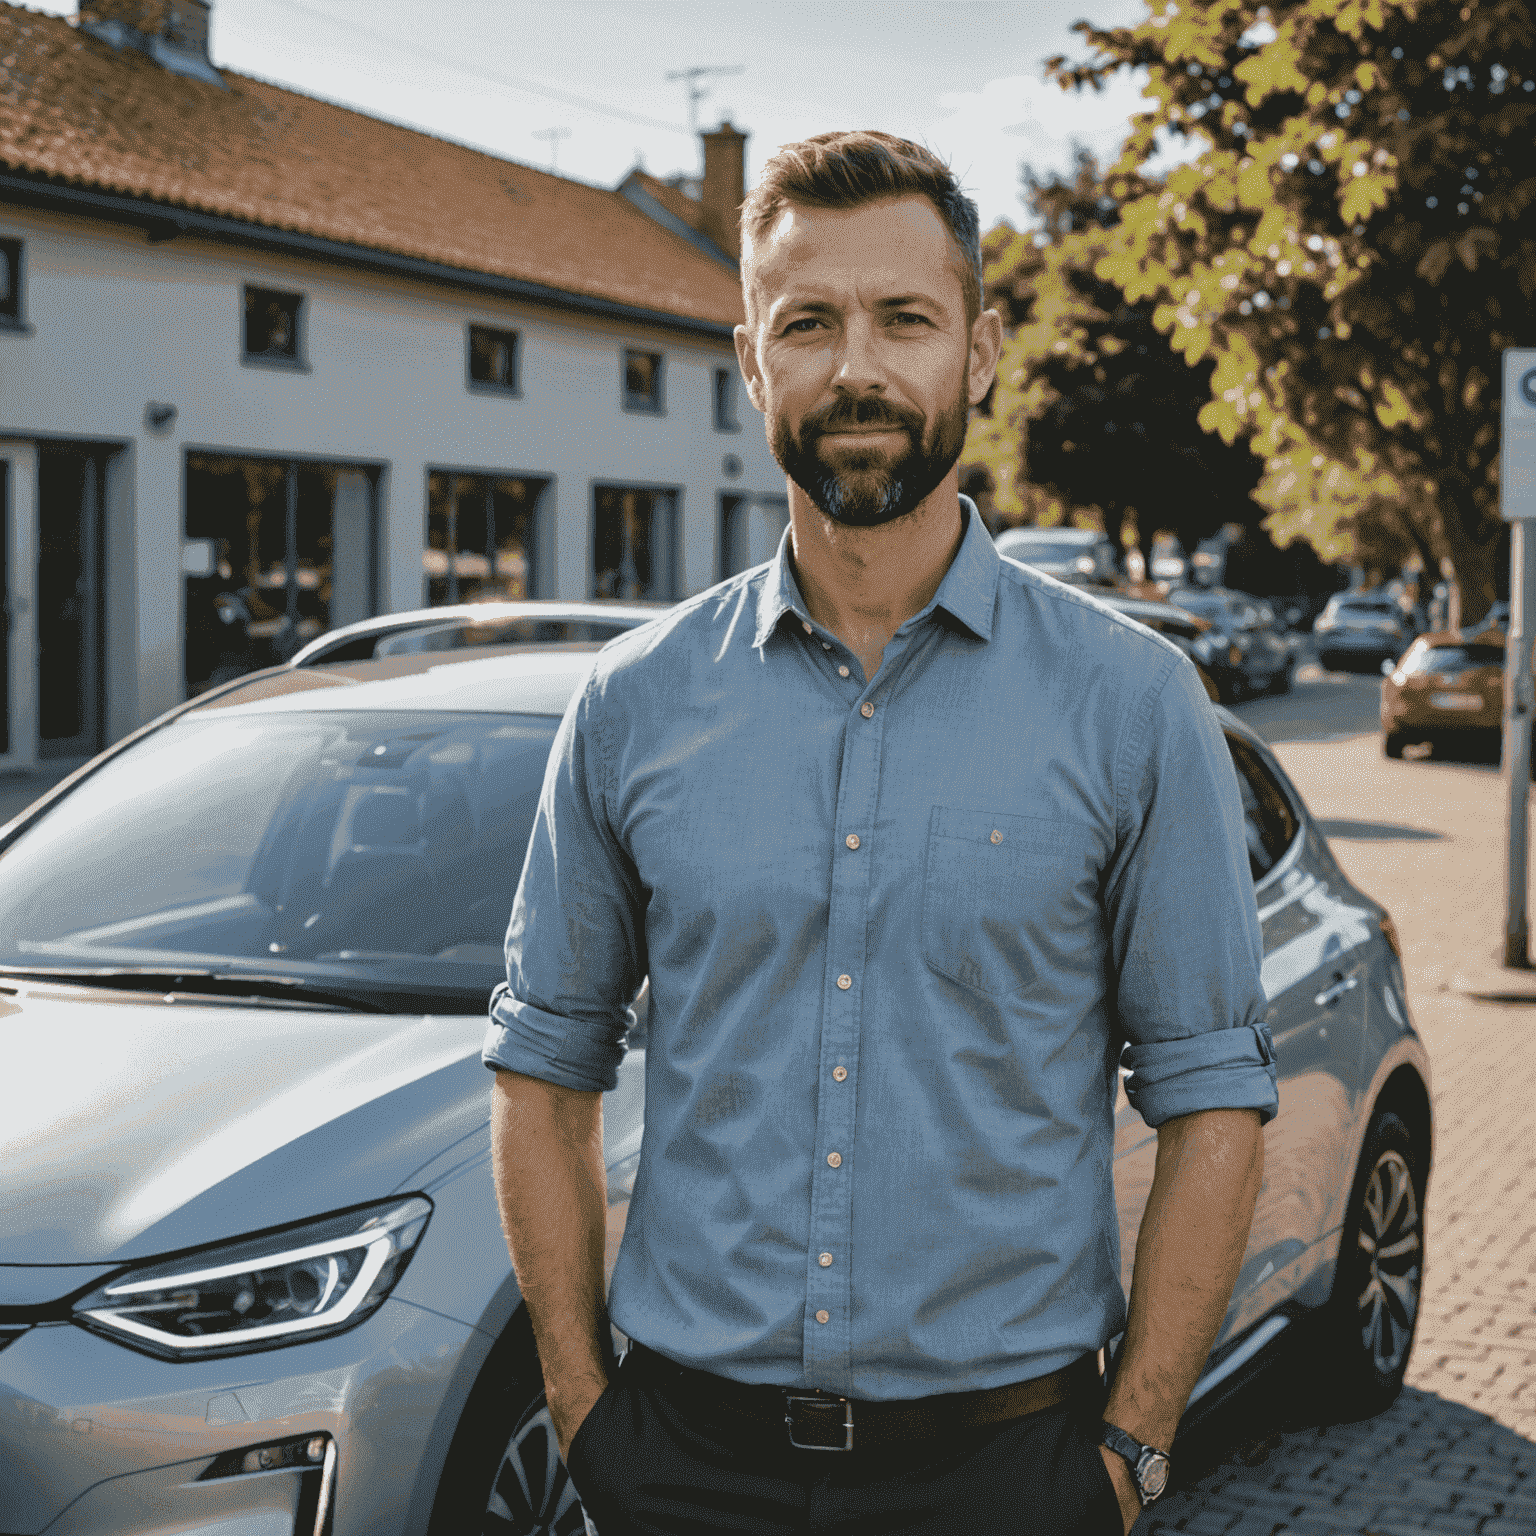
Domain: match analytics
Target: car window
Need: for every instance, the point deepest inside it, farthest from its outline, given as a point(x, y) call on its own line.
point(1269, 822)
point(465, 634)
point(382, 848)
point(1454, 658)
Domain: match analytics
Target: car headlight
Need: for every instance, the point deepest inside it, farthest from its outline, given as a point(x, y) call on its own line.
point(260, 1293)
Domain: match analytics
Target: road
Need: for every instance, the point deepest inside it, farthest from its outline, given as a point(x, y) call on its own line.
point(1457, 1453)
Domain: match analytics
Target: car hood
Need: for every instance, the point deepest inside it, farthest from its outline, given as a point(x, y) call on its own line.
point(131, 1127)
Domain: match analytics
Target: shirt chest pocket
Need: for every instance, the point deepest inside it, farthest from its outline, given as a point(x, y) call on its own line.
point(999, 892)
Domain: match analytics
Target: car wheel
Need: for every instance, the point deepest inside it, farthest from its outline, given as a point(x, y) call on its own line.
point(503, 1475)
point(1369, 1322)
point(1393, 743)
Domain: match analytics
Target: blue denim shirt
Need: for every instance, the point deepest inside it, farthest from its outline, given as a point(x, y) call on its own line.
point(899, 935)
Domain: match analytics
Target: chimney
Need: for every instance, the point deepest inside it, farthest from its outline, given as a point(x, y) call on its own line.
point(174, 33)
point(725, 186)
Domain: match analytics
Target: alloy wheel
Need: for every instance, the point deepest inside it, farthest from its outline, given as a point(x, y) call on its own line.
point(533, 1495)
point(1389, 1239)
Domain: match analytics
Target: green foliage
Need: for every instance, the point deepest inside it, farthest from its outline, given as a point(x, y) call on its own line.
point(1352, 249)
point(1095, 417)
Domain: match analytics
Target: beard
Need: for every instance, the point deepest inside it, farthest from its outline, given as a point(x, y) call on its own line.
point(865, 487)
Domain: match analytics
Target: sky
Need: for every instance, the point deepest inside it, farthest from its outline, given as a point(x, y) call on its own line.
point(964, 77)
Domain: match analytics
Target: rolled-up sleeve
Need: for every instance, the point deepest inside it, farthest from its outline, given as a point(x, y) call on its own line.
point(575, 940)
point(1184, 926)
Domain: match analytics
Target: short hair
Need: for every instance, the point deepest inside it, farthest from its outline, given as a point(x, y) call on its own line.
point(850, 168)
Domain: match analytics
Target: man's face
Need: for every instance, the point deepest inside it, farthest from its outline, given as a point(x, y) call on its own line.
point(858, 352)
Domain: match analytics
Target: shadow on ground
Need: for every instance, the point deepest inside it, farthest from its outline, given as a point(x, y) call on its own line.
point(1426, 1465)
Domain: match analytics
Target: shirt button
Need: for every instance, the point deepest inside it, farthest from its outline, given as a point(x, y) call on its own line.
point(997, 836)
point(826, 645)
point(852, 840)
point(823, 1317)
point(806, 627)
point(839, 1074)
point(842, 671)
point(825, 1261)
point(866, 709)
point(845, 982)
point(834, 1159)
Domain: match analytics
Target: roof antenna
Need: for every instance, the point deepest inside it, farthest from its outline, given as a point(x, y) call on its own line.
point(554, 135)
point(697, 92)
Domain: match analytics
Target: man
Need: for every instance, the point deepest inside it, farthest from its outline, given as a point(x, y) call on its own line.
point(910, 841)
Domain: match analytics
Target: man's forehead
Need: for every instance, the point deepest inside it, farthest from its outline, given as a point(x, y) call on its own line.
point(897, 243)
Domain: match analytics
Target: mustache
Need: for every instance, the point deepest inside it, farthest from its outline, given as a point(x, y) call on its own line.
point(868, 411)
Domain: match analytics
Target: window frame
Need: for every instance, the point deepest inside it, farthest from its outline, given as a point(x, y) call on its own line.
point(727, 417)
point(675, 575)
point(13, 250)
point(299, 362)
point(475, 386)
point(643, 405)
point(1287, 855)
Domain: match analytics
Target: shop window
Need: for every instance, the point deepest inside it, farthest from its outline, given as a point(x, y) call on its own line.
point(276, 553)
point(634, 543)
point(480, 537)
point(10, 284)
point(494, 360)
point(273, 324)
point(642, 381)
point(726, 382)
point(750, 530)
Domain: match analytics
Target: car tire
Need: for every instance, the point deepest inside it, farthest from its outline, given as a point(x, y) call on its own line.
point(1392, 743)
point(1367, 1328)
point(503, 1475)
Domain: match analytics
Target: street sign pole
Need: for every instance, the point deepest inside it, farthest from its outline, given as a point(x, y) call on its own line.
point(1517, 496)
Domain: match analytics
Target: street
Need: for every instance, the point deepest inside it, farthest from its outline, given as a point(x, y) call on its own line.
point(1457, 1452)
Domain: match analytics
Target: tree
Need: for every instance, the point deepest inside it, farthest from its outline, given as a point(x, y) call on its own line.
point(1353, 246)
point(1095, 417)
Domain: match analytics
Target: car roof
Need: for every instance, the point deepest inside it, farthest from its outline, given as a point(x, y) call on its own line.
point(476, 615)
point(512, 679)
point(1050, 535)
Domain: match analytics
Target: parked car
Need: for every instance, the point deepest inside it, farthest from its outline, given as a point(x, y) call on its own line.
point(1447, 687)
point(1359, 627)
point(532, 622)
point(1250, 651)
point(1083, 556)
point(251, 1272)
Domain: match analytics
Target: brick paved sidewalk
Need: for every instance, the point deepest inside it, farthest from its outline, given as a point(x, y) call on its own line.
point(1457, 1452)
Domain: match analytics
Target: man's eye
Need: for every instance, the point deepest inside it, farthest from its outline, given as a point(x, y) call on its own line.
point(794, 326)
point(910, 317)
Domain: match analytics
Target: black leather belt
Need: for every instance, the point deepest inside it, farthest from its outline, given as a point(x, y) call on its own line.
point(821, 1421)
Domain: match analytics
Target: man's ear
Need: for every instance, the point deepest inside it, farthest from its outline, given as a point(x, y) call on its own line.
point(986, 348)
point(746, 358)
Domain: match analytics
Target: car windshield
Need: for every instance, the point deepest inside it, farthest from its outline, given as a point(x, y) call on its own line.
point(1455, 658)
point(376, 852)
point(1369, 605)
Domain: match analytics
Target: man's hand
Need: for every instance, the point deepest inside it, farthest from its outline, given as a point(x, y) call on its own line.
point(552, 1188)
point(1125, 1486)
point(1193, 1234)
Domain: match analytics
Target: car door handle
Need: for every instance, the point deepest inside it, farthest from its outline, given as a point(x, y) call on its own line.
point(1341, 985)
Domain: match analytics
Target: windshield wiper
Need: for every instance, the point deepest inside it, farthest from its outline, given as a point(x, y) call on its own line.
point(236, 985)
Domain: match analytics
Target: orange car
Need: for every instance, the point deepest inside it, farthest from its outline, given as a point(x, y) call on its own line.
point(1445, 685)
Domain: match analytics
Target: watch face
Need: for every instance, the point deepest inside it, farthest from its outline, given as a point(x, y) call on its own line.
point(1152, 1474)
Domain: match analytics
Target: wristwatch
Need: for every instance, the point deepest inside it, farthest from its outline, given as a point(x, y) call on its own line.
point(1149, 1466)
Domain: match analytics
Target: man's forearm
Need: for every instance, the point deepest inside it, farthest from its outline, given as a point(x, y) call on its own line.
point(1193, 1236)
point(551, 1187)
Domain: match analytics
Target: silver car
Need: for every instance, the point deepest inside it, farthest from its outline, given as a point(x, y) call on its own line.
point(252, 1280)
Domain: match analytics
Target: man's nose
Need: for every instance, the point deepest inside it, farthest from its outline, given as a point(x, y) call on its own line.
point(858, 365)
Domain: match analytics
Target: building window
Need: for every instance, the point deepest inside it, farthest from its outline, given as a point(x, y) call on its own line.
point(10, 284)
point(493, 360)
point(275, 552)
point(272, 327)
point(642, 381)
point(750, 530)
point(480, 537)
point(634, 543)
point(726, 381)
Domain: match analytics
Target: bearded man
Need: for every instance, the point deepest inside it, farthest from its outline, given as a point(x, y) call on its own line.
point(902, 835)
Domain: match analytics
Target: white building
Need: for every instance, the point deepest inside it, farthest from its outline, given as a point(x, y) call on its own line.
point(257, 349)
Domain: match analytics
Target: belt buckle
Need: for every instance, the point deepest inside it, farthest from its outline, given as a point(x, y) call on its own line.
point(793, 1401)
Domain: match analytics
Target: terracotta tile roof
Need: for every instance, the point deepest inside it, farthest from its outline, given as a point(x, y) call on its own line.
point(75, 111)
point(677, 202)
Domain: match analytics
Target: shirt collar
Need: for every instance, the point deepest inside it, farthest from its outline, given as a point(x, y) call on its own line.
point(968, 591)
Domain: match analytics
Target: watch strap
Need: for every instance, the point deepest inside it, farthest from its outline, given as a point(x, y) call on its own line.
point(1136, 1455)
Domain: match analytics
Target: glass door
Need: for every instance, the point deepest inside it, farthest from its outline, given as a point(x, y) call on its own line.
point(70, 664)
point(18, 617)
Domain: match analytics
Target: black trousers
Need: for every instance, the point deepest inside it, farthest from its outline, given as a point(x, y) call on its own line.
point(647, 1461)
